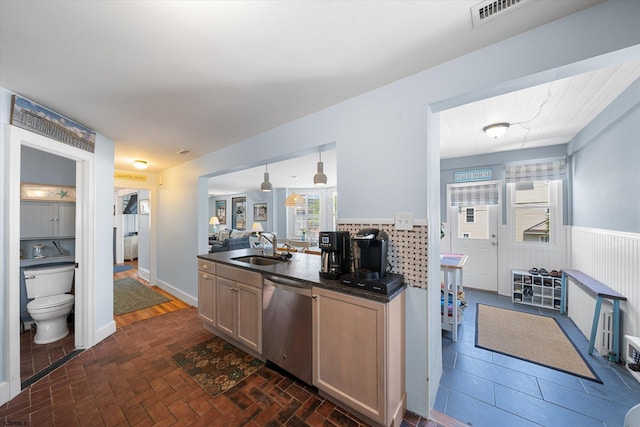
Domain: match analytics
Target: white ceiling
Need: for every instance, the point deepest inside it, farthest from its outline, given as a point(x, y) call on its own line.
point(161, 76)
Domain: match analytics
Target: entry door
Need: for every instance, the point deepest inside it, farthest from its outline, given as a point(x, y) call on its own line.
point(474, 233)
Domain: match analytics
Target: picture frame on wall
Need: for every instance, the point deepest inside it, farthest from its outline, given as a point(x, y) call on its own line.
point(260, 212)
point(221, 211)
point(47, 193)
point(145, 208)
point(239, 213)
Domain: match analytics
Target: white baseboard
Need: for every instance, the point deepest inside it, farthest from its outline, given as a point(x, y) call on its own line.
point(105, 331)
point(189, 299)
point(143, 273)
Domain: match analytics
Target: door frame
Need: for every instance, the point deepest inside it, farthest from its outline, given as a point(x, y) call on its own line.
point(85, 238)
point(498, 220)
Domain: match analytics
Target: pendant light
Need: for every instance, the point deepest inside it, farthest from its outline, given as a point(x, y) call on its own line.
point(266, 185)
point(320, 178)
point(294, 200)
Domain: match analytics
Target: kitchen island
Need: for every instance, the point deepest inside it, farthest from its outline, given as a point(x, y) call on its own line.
point(358, 336)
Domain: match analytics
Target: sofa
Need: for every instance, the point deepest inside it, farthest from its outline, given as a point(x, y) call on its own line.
point(228, 240)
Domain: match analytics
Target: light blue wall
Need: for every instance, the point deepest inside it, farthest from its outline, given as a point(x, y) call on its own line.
point(385, 153)
point(606, 161)
point(39, 167)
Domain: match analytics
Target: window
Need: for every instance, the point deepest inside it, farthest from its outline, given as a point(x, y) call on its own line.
point(470, 216)
point(534, 211)
point(319, 213)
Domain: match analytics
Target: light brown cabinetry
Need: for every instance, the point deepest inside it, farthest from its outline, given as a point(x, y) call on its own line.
point(206, 290)
point(358, 354)
point(238, 305)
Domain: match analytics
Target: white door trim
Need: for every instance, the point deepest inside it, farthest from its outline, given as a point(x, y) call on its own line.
point(85, 238)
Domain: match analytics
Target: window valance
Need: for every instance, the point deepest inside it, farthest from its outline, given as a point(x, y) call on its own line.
point(536, 171)
point(473, 195)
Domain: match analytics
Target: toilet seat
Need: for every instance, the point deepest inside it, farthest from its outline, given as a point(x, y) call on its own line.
point(52, 302)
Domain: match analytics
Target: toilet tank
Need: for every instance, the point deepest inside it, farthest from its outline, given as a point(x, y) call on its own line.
point(49, 281)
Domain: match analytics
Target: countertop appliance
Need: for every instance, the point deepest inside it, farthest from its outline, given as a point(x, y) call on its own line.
point(286, 326)
point(336, 254)
point(370, 247)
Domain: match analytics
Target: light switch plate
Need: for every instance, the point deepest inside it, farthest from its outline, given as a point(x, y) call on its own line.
point(404, 221)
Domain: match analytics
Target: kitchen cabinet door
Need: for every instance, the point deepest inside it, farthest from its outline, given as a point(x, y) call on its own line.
point(206, 296)
point(358, 354)
point(225, 305)
point(249, 308)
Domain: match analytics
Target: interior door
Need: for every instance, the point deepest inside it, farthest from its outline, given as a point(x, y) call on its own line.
point(474, 231)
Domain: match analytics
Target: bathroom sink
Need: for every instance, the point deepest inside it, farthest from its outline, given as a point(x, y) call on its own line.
point(259, 260)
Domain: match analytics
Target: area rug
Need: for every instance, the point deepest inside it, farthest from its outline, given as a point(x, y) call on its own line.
point(531, 337)
point(130, 295)
point(121, 268)
point(216, 365)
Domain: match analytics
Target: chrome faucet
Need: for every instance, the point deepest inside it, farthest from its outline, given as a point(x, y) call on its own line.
point(273, 241)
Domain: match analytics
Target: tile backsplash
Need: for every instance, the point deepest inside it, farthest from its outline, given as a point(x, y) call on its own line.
point(407, 253)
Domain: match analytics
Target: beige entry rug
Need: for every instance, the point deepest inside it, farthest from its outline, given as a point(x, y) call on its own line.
point(216, 365)
point(130, 295)
point(531, 337)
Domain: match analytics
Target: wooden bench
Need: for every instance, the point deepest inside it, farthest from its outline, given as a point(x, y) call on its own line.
point(600, 291)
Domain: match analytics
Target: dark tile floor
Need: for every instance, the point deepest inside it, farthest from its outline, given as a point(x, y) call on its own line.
point(130, 379)
point(483, 388)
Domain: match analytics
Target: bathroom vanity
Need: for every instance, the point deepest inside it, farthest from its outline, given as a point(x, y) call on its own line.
point(357, 336)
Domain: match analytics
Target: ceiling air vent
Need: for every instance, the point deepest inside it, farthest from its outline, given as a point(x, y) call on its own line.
point(489, 9)
point(184, 152)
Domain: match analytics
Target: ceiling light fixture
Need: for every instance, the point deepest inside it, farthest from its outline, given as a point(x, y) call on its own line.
point(294, 200)
point(140, 164)
point(320, 178)
point(266, 185)
point(496, 130)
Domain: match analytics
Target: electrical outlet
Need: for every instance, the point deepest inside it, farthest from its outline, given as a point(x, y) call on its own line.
point(404, 221)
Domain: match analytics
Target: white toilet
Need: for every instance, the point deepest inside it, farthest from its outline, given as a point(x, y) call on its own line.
point(52, 303)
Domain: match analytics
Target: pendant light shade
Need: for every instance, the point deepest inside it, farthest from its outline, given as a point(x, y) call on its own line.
point(294, 200)
point(266, 185)
point(320, 178)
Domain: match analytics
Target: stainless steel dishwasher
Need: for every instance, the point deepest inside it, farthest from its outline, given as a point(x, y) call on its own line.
point(286, 325)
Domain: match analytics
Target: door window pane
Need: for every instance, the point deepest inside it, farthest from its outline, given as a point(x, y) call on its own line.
point(473, 222)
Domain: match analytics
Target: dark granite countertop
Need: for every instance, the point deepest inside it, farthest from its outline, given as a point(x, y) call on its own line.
point(301, 267)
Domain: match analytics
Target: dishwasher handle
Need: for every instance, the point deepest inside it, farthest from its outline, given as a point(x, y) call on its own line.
point(288, 284)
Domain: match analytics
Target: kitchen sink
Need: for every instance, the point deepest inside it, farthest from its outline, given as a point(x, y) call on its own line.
point(259, 260)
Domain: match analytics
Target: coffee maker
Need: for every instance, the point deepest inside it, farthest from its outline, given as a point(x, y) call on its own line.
point(370, 247)
point(336, 254)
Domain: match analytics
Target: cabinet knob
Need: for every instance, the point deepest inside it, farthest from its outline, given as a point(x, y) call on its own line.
point(204, 266)
point(314, 296)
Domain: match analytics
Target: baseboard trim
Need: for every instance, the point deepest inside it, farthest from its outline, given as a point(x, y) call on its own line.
point(177, 293)
point(105, 331)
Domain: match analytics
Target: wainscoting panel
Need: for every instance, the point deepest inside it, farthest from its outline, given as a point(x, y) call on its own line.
point(613, 258)
point(525, 256)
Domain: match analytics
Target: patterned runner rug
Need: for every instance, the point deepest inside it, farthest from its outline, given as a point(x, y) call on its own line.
point(216, 365)
point(531, 337)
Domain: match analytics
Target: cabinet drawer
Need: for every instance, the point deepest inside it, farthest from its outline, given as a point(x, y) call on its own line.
point(208, 266)
point(239, 275)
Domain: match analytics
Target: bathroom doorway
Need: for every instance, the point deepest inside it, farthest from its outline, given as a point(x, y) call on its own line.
point(84, 259)
point(47, 239)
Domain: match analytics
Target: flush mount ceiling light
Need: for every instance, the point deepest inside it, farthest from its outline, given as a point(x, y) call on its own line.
point(496, 130)
point(266, 185)
point(320, 178)
point(140, 164)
